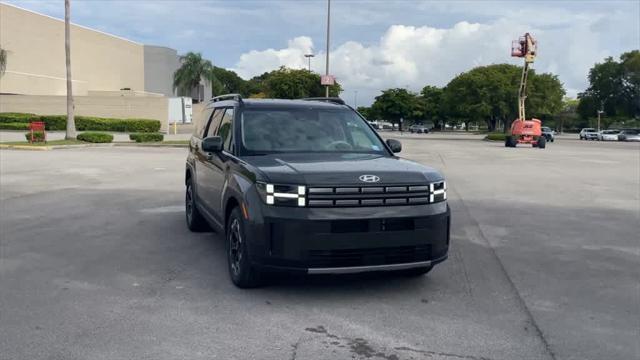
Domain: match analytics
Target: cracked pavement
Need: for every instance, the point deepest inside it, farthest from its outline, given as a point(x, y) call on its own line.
point(97, 263)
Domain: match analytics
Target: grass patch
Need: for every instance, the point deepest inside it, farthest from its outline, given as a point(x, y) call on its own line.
point(496, 136)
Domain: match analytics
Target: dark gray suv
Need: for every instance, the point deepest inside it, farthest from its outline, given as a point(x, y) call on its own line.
point(309, 186)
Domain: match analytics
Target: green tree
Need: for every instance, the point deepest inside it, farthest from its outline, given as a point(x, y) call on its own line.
point(489, 94)
point(367, 112)
point(614, 87)
point(567, 117)
point(227, 82)
point(394, 104)
point(431, 103)
point(193, 68)
point(286, 83)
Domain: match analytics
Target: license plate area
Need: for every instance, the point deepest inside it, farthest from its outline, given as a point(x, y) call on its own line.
point(397, 225)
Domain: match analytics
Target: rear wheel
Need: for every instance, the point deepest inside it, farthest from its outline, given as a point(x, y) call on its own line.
point(242, 272)
point(542, 142)
point(195, 220)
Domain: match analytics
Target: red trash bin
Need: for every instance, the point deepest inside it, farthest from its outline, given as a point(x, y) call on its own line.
point(37, 126)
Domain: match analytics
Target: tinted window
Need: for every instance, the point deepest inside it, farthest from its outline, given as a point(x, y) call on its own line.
point(201, 121)
point(215, 122)
point(225, 129)
point(307, 130)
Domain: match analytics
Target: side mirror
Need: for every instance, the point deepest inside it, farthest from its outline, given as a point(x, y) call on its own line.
point(395, 145)
point(212, 144)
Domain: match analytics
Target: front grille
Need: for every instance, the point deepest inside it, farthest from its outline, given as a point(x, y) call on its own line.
point(356, 196)
point(364, 257)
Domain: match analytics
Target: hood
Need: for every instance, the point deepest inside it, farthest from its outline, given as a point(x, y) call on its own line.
point(340, 169)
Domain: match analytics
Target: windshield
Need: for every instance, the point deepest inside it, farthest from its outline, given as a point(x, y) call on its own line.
point(307, 130)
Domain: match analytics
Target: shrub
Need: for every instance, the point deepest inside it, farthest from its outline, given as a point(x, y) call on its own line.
point(14, 126)
point(17, 117)
point(95, 137)
point(85, 123)
point(496, 136)
point(37, 136)
point(146, 137)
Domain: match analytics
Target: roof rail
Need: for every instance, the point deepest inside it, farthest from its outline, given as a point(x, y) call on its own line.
point(335, 100)
point(226, 97)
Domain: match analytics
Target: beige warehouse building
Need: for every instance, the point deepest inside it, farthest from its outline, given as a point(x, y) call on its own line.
point(112, 76)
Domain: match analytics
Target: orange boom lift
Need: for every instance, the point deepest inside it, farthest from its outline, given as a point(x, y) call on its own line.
point(525, 131)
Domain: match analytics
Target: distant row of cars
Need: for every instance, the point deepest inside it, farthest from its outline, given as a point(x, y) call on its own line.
point(610, 135)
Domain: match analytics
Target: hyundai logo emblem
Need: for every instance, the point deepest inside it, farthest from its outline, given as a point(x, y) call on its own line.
point(369, 178)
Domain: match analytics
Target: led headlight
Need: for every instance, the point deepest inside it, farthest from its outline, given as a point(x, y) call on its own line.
point(282, 195)
point(438, 191)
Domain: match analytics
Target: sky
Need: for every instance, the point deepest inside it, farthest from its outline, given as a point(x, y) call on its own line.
point(375, 44)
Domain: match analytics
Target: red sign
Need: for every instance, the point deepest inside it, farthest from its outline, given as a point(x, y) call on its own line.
point(327, 80)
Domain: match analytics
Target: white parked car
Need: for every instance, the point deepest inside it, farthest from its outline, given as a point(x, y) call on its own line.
point(608, 135)
point(588, 134)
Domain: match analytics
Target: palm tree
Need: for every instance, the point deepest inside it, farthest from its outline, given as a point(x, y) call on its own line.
point(192, 70)
point(3, 61)
point(71, 124)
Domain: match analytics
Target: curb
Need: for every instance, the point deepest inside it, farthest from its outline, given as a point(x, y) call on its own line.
point(59, 147)
point(50, 147)
point(150, 145)
point(25, 147)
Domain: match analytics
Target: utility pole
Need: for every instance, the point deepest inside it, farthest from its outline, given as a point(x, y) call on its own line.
point(600, 112)
point(309, 56)
point(355, 100)
point(328, 38)
point(71, 124)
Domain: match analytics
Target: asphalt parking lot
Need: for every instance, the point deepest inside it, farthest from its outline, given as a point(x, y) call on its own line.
point(97, 263)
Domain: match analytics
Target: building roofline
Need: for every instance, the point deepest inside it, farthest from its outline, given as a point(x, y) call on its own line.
point(72, 23)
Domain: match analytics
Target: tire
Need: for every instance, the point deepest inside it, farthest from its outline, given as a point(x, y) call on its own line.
point(415, 272)
point(507, 141)
point(242, 273)
point(195, 221)
point(542, 142)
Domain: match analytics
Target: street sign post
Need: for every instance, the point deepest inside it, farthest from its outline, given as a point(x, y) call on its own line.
point(327, 80)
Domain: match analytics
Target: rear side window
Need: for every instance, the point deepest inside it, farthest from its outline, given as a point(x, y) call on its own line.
point(201, 121)
point(225, 131)
point(215, 121)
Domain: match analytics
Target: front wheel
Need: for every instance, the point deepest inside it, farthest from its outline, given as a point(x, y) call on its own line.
point(243, 274)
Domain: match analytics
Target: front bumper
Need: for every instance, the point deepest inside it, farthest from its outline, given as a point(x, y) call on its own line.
point(349, 240)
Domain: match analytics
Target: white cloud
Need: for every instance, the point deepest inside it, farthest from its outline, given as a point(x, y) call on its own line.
point(414, 56)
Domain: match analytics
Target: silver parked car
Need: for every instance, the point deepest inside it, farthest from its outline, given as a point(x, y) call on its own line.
point(588, 134)
point(629, 135)
point(608, 135)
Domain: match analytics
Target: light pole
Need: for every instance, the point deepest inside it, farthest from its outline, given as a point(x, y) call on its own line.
point(328, 38)
point(600, 112)
point(355, 100)
point(309, 56)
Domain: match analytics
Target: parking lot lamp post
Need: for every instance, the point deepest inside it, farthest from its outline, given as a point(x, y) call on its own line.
point(328, 35)
point(600, 112)
point(309, 56)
